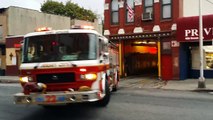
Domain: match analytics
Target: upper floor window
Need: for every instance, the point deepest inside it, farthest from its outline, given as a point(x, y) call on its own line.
point(129, 11)
point(166, 9)
point(114, 12)
point(148, 6)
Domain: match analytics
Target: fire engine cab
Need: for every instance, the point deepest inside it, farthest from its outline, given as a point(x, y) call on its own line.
point(67, 66)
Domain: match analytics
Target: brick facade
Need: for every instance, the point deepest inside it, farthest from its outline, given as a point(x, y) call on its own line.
point(158, 30)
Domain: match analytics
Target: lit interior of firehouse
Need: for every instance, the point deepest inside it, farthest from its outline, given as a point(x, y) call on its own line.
point(141, 58)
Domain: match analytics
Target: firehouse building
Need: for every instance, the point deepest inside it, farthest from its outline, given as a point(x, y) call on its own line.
point(144, 39)
point(146, 33)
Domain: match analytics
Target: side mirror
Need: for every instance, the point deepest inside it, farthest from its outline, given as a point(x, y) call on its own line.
point(104, 56)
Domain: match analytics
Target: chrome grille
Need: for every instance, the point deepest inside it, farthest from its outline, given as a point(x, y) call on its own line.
point(56, 78)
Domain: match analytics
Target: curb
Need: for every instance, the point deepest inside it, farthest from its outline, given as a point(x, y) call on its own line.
point(190, 90)
point(203, 90)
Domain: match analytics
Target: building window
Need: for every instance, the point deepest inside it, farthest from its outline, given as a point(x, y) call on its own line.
point(166, 9)
point(129, 11)
point(207, 57)
point(114, 12)
point(148, 6)
point(166, 47)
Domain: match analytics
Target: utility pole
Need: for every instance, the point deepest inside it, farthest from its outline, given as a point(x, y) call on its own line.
point(201, 81)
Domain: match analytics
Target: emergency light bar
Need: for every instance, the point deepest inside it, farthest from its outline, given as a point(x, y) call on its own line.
point(82, 27)
point(43, 29)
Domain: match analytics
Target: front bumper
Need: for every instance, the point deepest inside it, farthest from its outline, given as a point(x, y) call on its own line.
point(64, 97)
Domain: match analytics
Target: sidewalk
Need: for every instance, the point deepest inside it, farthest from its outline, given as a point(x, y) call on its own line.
point(145, 83)
point(189, 84)
point(9, 79)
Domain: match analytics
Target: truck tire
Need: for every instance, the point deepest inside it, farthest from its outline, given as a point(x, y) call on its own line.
point(115, 88)
point(104, 102)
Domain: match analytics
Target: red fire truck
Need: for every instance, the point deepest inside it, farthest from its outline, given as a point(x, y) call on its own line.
point(67, 66)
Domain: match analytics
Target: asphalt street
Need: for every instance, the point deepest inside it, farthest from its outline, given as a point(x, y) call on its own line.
point(126, 104)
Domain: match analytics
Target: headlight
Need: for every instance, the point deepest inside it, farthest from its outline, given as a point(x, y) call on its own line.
point(26, 79)
point(89, 76)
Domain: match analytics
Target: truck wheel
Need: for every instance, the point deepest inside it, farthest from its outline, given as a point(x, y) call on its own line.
point(104, 102)
point(115, 87)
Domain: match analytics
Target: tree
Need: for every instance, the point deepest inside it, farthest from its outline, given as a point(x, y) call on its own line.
point(70, 9)
point(53, 7)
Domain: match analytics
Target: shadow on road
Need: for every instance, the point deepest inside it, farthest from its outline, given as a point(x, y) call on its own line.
point(73, 111)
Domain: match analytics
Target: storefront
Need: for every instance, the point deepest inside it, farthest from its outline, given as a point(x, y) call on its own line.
point(189, 55)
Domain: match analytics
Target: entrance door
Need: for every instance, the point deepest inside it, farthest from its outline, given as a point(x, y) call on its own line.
point(166, 67)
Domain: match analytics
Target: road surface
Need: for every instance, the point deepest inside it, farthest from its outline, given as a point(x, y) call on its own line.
point(126, 104)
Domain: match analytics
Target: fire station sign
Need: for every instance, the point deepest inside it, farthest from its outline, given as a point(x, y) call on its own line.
point(175, 43)
point(188, 28)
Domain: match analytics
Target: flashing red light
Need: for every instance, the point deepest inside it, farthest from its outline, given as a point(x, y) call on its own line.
point(54, 43)
point(17, 45)
point(43, 29)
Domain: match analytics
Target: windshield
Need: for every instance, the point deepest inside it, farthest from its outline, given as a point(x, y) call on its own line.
point(59, 47)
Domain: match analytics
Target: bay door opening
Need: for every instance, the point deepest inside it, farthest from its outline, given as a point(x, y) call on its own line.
point(141, 58)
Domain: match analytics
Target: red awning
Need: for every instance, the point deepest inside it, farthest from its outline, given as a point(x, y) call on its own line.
point(188, 28)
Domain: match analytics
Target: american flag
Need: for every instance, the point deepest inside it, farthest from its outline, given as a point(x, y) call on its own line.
point(130, 12)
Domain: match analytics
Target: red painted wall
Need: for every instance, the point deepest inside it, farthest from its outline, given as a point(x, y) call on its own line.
point(165, 25)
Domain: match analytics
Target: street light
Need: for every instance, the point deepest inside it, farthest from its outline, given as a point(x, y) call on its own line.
point(201, 81)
